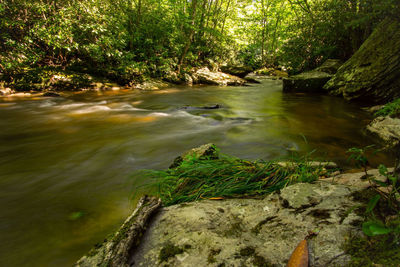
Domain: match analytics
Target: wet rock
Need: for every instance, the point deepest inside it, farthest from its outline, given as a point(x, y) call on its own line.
point(308, 82)
point(251, 80)
point(204, 151)
point(372, 74)
point(205, 76)
point(239, 71)
point(6, 91)
point(213, 106)
point(250, 231)
point(51, 94)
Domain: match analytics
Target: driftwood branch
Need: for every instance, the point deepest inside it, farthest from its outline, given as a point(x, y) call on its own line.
point(117, 250)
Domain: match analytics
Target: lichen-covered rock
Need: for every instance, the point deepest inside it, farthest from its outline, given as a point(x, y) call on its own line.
point(387, 129)
point(249, 232)
point(372, 74)
point(205, 76)
point(308, 82)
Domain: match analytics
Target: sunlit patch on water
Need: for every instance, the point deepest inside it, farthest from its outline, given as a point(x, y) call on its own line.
point(5, 105)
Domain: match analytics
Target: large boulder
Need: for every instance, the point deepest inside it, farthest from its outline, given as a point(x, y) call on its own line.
point(205, 76)
point(249, 232)
point(372, 74)
point(308, 82)
point(330, 66)
point(239, 71)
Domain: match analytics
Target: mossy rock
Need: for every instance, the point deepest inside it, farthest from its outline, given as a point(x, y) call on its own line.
point(372, 74)
point(308, 82)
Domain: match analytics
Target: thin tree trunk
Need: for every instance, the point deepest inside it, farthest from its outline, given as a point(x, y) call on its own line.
point(226, 15)
point(191, 34)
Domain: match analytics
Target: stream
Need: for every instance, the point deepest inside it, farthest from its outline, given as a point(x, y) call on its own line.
point(69, 165)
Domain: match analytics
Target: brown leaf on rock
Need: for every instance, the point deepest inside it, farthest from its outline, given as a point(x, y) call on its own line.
point(299, 256)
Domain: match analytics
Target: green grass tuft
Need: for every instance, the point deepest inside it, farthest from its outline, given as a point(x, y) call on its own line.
point(390, 109)
point(228, 177)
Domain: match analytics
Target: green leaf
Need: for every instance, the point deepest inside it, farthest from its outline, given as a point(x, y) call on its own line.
point(375, 228)
point(382, 169)
point(372, 203)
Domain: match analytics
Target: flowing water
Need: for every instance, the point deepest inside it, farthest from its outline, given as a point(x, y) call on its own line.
point(66, 164)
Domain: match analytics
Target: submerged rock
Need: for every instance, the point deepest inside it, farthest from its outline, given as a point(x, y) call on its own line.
point(372, 74)
point(308, 82)
point(214, 106)
point(205, 76)
point(249, 232)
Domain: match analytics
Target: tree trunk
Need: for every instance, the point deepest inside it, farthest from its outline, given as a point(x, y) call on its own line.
point(190, 37)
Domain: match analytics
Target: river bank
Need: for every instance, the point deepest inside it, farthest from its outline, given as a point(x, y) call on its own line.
point(260, 231)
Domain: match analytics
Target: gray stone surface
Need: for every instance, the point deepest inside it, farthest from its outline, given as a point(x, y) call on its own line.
point(205, 76)
point(387, 129)
point(245, 232)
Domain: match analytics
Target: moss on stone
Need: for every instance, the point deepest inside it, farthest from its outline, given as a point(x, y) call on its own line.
point(380, 250)
point(260, 261)
point(247, 251)
point(234, 230)
point(169, 251)
point(212, 254)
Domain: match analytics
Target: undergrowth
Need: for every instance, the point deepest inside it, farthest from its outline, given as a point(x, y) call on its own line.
point(227, 177)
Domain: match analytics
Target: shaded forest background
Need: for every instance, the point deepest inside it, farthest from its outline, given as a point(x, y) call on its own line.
point(126, 39)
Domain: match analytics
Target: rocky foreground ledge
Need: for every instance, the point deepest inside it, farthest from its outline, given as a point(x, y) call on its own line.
point(241, 232)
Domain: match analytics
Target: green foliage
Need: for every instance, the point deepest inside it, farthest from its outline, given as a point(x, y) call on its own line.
point(359, 157)
point(124, 40)
point(225, 177)
point(379, 224)
point(371, 228)
point(390, 109)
